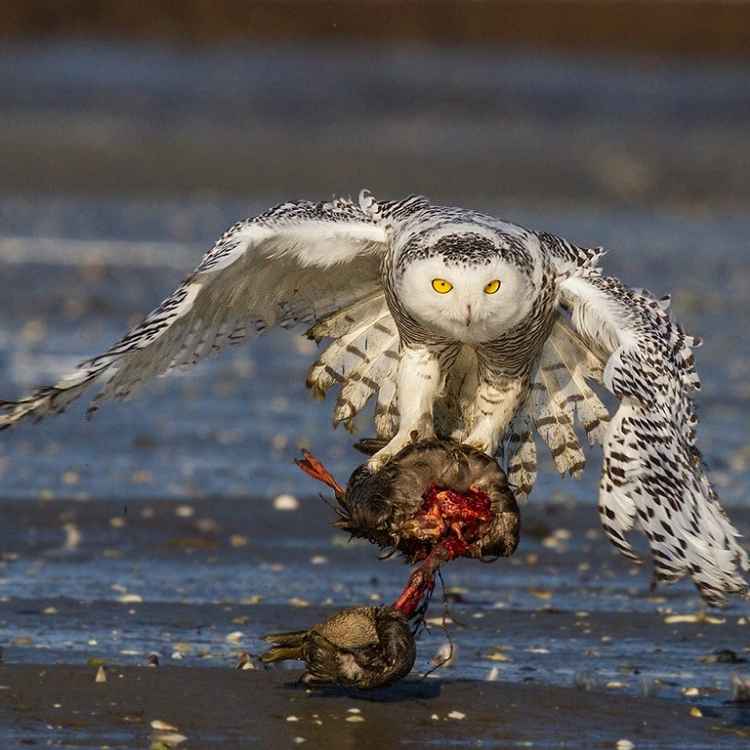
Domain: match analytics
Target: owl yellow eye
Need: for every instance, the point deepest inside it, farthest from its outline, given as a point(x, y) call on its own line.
point(492, 287)
point(441, 286)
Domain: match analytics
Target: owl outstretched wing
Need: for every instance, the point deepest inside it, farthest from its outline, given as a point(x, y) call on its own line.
point(296, 263)
point(653, 477)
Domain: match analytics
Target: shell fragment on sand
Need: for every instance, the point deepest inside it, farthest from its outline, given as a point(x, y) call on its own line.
point(286, 503)
point(163, 726)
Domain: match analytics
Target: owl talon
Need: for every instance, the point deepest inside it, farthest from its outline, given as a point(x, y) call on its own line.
point(385, 454)
point(379, 460)
point(479, 445)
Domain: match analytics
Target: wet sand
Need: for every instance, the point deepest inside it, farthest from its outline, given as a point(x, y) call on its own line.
point(563, 645)
point(220, 708)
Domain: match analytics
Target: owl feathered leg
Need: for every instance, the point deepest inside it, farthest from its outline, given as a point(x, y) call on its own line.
point(419, 384)
point(496, 400)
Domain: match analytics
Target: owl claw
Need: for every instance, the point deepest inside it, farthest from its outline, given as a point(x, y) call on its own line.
point(379, 460)
point(479, 445)
point(483, 444)
point(385, 454)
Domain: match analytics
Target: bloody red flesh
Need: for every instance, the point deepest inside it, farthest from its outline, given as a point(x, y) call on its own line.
point(455, 514)
point(447, 524)
point(421, 581)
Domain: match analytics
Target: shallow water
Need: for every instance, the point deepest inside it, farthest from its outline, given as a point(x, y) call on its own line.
point(78, 267)
point(198, 582)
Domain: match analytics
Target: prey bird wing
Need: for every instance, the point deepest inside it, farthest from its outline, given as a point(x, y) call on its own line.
point(653, 476)
point(296, 263)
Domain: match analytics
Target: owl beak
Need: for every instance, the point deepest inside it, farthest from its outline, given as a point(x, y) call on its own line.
point(468, 315)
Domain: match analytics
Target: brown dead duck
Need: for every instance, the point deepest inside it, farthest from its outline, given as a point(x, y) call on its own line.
point(363, 647)
point(434, 501)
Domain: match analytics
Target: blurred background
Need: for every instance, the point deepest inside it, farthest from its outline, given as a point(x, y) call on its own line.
point(131, 138)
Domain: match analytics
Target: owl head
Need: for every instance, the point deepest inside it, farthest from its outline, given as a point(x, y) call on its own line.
point(465, 287)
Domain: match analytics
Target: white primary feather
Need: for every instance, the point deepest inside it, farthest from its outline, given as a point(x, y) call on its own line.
point(554, 425)
point(341, 321)
point(362, 357)
point(386, 410)
point(653, 475)
point(522, 459)
point(368, 379)
point(348, 351)
point(295, 263)
point(581, 365)
point(560, 398)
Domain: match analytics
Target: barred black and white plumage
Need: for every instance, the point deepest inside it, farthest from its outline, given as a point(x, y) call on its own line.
point(459, 325)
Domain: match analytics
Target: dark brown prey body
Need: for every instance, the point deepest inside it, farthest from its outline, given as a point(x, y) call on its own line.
point(401, 507)
point(364, 647)
point(433, 501)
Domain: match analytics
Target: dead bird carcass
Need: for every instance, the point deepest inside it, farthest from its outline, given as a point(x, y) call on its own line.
point(363, 647)
point(434, 501)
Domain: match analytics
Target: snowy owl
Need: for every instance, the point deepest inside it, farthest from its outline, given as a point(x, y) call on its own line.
point(465, 326)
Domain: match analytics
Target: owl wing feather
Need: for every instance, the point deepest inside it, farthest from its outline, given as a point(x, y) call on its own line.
point(296, 263)
point(653, 476)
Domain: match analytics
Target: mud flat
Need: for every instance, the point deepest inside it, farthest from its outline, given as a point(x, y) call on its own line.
point(228, 709)
point(562, 645)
